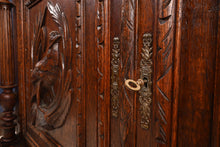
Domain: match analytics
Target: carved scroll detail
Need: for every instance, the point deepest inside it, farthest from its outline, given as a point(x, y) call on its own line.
point(115, 76)
point(145, 97)
point(52, 73)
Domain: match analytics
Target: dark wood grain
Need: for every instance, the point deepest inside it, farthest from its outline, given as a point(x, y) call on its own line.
point(197, 68)
point(216, 102)
point(91, 75)
point(176, 78)
point(115, 28)
point(20, 63)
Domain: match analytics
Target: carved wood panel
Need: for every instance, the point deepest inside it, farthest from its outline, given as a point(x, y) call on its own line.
point(48, 51)
point(164, 69)
point(77, 56)
point(52, 66)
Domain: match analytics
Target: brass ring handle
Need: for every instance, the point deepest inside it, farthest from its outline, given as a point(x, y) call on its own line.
point(137, 84)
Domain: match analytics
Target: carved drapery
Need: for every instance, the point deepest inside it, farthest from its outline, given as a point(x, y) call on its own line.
point(52, 74)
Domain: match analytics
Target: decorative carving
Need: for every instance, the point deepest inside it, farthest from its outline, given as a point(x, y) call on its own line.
point(100, 47)
point(164, 68)
point(115, 77)
point(52, 73)
point(31, 3)
point(7, 72)
point(79, 74)
point(145, 97)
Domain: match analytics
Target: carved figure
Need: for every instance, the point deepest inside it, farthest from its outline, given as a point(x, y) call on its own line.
point(52, 74)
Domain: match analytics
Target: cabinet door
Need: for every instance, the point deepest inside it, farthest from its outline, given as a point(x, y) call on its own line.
point(142, 46)
point(51, 71)
point(64, 78)
point(74, 59)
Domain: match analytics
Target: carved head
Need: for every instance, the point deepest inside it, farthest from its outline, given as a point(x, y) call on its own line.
point(147, 39)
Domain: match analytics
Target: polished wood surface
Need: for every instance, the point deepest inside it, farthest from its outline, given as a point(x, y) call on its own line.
point(198, 63)
point(7, 71)
point(172, 44)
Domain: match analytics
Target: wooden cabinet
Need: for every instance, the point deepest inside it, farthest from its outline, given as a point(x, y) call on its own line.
point(74, 57)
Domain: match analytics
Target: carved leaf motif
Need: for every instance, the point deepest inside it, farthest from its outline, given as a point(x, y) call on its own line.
point(52, 73)
point(164, 68)
point(145, 97)
point(115, 77)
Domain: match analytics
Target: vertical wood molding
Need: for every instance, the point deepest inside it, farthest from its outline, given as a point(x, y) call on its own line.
point(115, 32)
point(216, 103)
point(21, 62)
point(7, 71)
point(100, 49)
point(164, 69)
point(7, 51)
point(80, 96)
point(176, 78)
point(91, 73)
point(102, 33)
point(127, 72)
point(107, 77)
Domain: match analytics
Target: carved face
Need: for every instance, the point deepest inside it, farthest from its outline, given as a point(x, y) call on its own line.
point(147, 39)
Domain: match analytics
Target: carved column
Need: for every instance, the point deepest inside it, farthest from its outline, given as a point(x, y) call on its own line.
point(7, 71)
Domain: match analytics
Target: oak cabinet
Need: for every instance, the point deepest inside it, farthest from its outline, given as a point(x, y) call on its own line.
point(75, 58)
